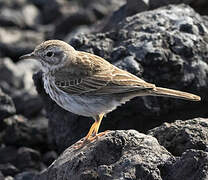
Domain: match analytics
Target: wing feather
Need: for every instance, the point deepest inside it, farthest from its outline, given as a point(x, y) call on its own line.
point(105, 79)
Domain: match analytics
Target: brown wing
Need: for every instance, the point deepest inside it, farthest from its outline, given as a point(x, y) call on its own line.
point(93, 75)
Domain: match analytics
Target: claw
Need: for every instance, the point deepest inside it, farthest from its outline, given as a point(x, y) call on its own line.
point(92, 134)
point(80, 144)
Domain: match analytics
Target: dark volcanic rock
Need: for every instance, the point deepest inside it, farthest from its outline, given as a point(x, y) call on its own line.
point(132, 7)
point(24, 132)
point(192, 165)
point(164, 49)
point(27, 175)
point(11, 16)
point(7, 107)
point(20, 86)
point(68, 24)
point(118, 155)
point(49, 157)
point(1, 176)
point(8, 154)
point(15, 43)
point(8, 169)
point(13, 160)
point(179, 136)
point(28, 159)
point(160, 46)
point(84, 13)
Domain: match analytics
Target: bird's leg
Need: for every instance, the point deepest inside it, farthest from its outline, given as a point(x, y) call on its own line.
point(95, 134)
point(94, 128)
point(98, 120)
point(92, 134)
point(91, 131)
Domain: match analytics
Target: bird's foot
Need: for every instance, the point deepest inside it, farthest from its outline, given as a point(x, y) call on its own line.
point(83, 142)
point(98, 135)
point(80, 144)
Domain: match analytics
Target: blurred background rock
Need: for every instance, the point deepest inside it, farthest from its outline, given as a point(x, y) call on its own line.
point(162, 41)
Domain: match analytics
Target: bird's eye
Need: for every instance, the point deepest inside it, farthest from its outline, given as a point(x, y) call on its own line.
point(49, 54)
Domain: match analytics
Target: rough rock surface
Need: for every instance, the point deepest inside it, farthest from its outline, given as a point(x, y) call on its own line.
point(14, 161)
point(133, 7)
point(20, 86)
point(118, 155)
point(192, 165)
point(26, 175)
point(73, 15)
point(24, 132)
point(160, 46)
point(7, 107)
point(199, 5)
point(15, 43)
point(179, 136)
point(8, 169)
point(1, 176)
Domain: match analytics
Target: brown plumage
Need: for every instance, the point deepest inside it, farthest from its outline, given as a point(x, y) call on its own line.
point(88, 85)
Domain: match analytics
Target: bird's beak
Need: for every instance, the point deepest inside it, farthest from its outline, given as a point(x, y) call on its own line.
point(28, 56)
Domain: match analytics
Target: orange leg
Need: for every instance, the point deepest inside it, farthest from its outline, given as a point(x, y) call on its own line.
point(98, 122)
point(92, 134)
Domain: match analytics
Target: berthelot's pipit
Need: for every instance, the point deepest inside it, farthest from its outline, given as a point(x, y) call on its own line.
point(88, 85)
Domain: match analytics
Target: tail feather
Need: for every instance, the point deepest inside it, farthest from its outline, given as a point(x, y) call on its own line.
point(159, 91)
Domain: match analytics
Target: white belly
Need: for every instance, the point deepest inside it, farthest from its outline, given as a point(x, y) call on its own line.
point(89, 106)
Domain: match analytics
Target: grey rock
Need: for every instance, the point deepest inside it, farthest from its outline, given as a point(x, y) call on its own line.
point(130, 8)
point(18, 14)
point(1, 176)
point(20, 86)
point(11, 17)
point(69, 23)
point(99, 7)
point(7, 107)
point(161, 47)
point(8, 154)
point(24, 132)
point(16, 42)
point(27, 99)
point(9, 178)
point(118, 155)
point(31, 15)
point(192, 165)
point(49, 157)
point(8, 169)
point(83, 13)
point(52, 13)
point(180, 136)
point(133, 7)
point(158, 3)
point(205, 18)
point(21, 159)
point(27, 175)
point(28, 159)
point(199, 6)
point(13, 4)
point(79, 30)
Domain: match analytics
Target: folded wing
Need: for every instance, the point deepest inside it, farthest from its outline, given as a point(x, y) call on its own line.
point(105, 79)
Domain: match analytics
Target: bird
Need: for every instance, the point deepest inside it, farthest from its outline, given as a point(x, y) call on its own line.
point(88, 85)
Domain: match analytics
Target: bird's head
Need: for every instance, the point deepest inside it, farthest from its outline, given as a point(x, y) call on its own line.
point(52, 54)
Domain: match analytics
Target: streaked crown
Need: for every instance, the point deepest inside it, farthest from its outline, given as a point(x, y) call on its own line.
point(51, 54)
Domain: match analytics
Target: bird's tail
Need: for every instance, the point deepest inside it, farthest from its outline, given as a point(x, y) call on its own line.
point(158, 91)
